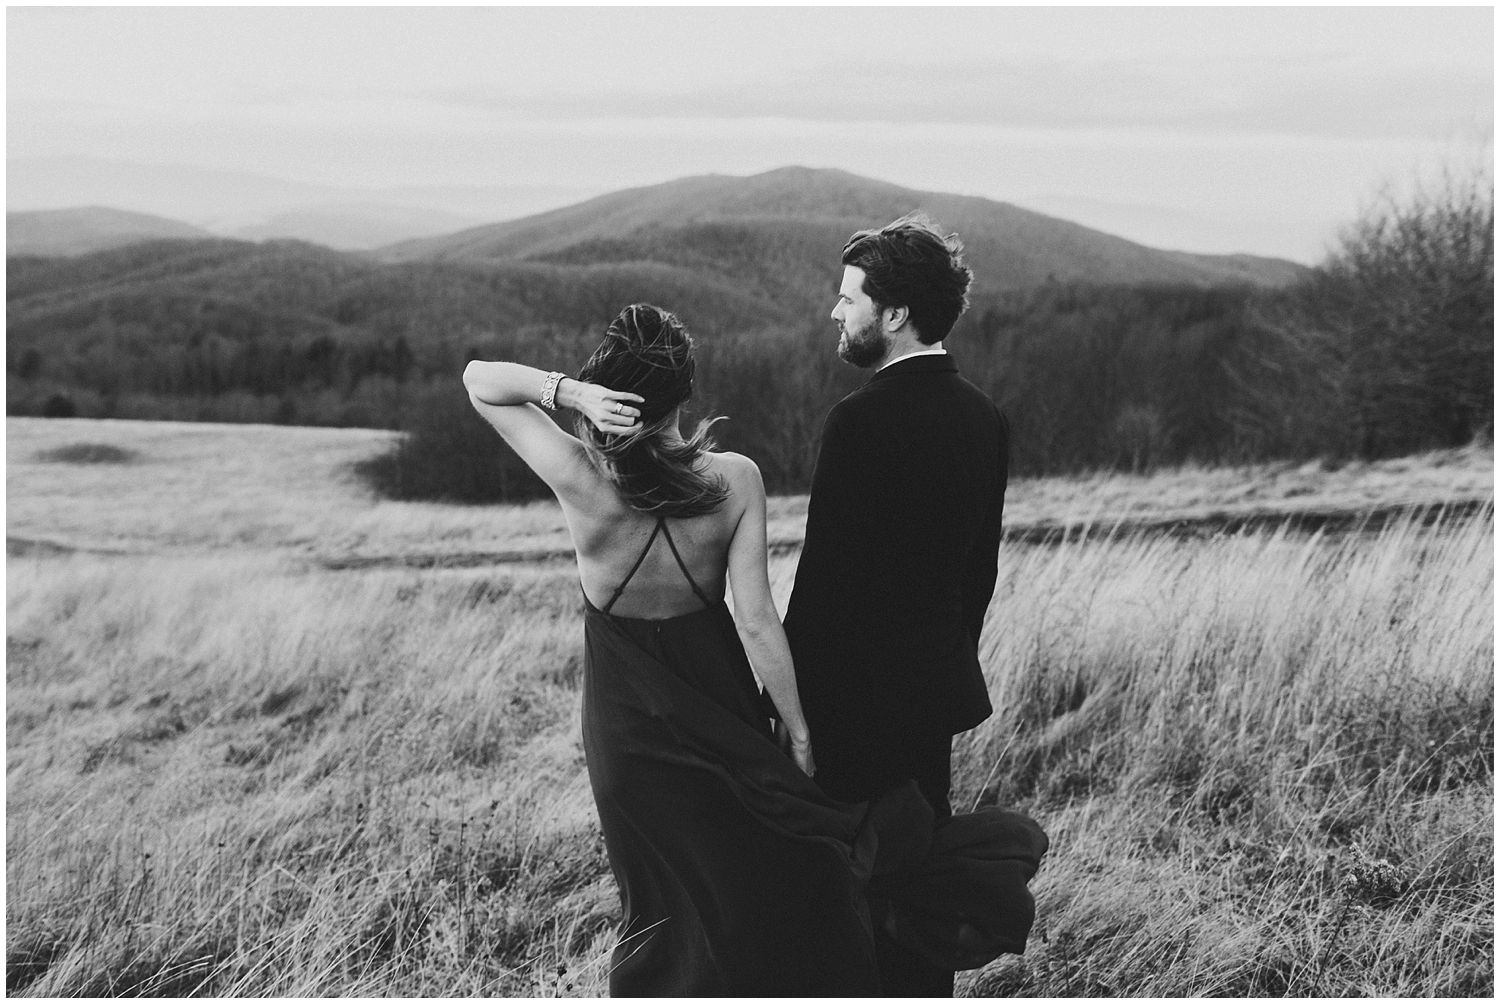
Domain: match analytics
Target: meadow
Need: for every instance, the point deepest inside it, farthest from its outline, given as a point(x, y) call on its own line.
point(270, 736)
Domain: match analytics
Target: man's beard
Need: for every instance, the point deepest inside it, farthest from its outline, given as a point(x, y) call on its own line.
point(865, 347)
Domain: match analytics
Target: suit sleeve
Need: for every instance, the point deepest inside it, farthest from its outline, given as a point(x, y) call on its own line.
point(981, 572)
point(837, 547)
point(841, 514)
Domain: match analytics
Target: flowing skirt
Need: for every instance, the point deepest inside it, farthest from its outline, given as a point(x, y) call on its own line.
point(737, 874)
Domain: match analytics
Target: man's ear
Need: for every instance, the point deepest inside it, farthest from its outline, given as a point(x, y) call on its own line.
point(896, 318)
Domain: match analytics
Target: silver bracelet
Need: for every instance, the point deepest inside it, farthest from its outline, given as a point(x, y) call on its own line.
point(549, 390)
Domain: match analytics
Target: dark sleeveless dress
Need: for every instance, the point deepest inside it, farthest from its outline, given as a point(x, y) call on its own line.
point(737, 875)
point(734, 869)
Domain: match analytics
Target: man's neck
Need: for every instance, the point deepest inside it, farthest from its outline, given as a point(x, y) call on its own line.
point(936, 348)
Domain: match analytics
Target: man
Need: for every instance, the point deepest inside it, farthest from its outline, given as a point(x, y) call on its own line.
point(903, 529)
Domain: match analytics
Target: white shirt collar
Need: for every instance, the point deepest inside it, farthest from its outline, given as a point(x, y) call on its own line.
point(920, 352)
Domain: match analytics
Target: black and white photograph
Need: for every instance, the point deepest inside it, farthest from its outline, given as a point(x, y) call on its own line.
point(748, 501)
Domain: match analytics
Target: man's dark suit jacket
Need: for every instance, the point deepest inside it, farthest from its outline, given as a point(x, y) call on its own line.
point(899, 561)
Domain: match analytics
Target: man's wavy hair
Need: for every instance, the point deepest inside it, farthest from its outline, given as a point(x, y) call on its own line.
point(648, 351)
point(909, 263)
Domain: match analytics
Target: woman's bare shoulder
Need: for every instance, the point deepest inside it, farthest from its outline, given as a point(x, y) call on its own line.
point(742, 473)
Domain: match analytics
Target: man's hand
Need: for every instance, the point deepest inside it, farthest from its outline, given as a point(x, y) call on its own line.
point(800, 752)
point(802, 756)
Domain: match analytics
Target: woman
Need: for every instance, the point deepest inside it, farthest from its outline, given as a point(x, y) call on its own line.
point(734, 869)
point(737, 875)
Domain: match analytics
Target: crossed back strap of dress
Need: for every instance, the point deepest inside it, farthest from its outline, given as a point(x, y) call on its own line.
point(660, 528)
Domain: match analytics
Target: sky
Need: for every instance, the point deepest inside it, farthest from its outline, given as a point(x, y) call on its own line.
point(1228, 129)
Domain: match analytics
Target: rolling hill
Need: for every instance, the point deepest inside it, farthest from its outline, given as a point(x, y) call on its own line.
point(55, 232)
point(783, 228)
point(176, 327)
point(727, 253)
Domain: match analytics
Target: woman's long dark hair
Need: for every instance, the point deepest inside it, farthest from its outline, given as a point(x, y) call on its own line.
point(647, 351)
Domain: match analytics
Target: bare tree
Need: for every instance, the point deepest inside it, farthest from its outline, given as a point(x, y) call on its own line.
point(1388, 348)
point(1409, 294)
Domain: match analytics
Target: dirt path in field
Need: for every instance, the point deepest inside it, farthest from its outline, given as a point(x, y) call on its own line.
point(22, 547)
point(1300, 521)
point(1200, 526)
point(1308, 520)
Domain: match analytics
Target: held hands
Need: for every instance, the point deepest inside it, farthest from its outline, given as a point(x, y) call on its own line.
point(799, 750)
point(802, 756)
point(609, 410)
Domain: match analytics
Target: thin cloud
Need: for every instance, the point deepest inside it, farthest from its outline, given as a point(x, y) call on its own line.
point(1277, 118)
point(1325, 98)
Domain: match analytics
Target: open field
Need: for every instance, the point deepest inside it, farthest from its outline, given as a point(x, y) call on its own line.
point(269, 736)
point(195, 486)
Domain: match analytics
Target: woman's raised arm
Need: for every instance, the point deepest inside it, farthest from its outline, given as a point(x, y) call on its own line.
point(507, 395)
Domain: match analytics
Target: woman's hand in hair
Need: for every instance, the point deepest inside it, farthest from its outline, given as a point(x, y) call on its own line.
point(609, 410)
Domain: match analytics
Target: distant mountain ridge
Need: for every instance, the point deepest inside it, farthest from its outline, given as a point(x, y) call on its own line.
point(773, 233)
point(61, 232)
point(71, 232)
point(244, 204)
point(354, 227)
point(799, 218)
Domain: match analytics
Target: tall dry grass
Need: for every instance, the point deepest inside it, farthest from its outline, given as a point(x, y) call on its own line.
point(1266, 760)
point(1266, 764)
point(236, 777)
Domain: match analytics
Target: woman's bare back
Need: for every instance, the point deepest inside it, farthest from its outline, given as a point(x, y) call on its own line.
point(610, 537)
